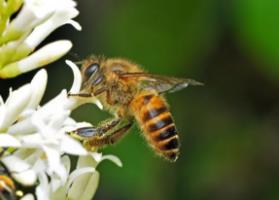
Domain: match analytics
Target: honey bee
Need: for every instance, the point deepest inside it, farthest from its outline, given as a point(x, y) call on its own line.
point(8, 189)
point(131, 95)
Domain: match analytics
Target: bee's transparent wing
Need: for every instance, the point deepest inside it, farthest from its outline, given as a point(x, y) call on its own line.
point(160, 83)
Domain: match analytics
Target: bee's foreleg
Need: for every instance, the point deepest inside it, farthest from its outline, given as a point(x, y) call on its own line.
point(86, 94)
point(80, 95)
point(99, 141)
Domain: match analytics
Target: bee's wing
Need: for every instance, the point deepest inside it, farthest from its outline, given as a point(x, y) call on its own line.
point(160, 83)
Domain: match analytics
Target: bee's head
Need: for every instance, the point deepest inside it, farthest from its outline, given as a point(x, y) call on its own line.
point(91, 71)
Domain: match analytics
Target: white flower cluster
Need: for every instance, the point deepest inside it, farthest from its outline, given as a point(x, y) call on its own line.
point(34, 140)
point(34, 21)
point(41, 143)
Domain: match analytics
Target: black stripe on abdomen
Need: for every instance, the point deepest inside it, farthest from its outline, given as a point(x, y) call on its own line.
point(166, 133)
point(160, 123)
point(153, 112)
point(171, 144)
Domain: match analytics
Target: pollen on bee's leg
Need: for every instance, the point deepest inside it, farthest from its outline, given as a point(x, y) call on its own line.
point(88, 146)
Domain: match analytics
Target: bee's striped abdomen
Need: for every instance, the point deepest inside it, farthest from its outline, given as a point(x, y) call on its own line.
point(153, 115)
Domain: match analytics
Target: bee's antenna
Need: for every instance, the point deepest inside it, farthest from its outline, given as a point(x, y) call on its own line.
point(76, 57)
point(80, 62)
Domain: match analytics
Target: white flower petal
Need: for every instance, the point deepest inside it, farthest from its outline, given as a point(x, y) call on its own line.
point(45, 55)
point(86, 161)
point(28, 197)
point(57, 120)
point(8, 141)
point(83, 181)
point(38, 8)
point(1, 101)
point(69, 122)
point(28, 18)
point(58, 19)
point(113, 158)
point(38, 85)
point(25, 154)
point(55, 164)
point(21, 165)
point(97, 156)
point(27, 113)
point(56, 184)
point(61, 12)
point(22, 127)
point(43, 189)
point(84, 187)
point(32, 140)
point(50, 108)
point(67, 163)
point(71, 146)
point(40, 166)
point(15, 104)
point(77, 173)
point(26, 178)
point(77, 77)
point(41, 123)
point(75, 24)
point(91, 187)
point(99, 105)
point(20, 170)
point(59, 194)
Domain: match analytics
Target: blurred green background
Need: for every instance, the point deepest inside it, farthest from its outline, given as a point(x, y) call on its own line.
point(229, 128)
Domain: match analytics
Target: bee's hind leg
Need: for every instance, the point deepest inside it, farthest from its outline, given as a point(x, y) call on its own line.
point(92, 131)
point(107, 139)
point(104, 134)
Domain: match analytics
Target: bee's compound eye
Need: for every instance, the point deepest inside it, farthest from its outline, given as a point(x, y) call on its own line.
point(91, 69)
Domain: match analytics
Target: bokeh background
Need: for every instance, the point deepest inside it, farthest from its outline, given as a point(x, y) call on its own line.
point(229, 128)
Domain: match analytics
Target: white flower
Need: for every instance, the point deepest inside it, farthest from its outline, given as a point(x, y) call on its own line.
point(83, 181)
point(28, 197)
point(34, 139)
point(39, 137)
point(22, 35)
